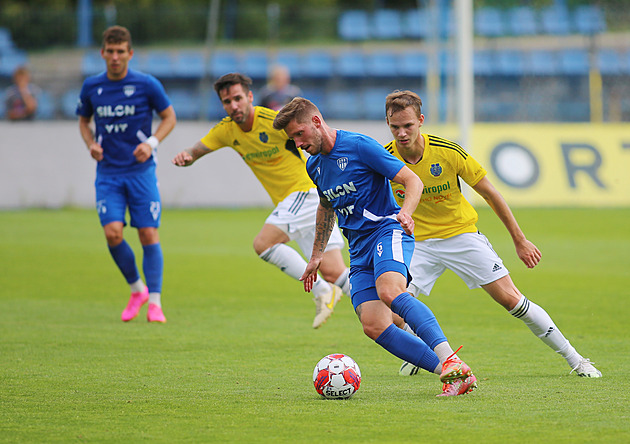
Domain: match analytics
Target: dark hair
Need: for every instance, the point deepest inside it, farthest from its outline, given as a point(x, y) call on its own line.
point(233, 78)
point(399, 100)
point(116, 34)
point(298, 109)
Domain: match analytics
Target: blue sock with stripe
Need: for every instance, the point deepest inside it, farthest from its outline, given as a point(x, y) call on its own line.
point(420, 318)
point(408, 347)
point(126, 261)
point(153, 266)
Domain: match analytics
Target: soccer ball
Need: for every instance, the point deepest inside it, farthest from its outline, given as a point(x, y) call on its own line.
point(336, 376)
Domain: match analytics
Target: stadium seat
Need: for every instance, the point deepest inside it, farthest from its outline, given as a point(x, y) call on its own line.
point(412, 63)
point(344, 104)
point(573, 111)
point(3, 109)
point(350, 64)
point(589, 19)
point(509, 62)
point(555, 20)
point(6, 41)
point(187, 104)
point(483, 63)
point(574, 62)
point(222, 62)
point(522, 20)
point(541, 63)
point(354, 25)
point(317, 64)
point(416, 24)
point(160, 64)
point(69, 103)
point(213, 107)
point(386, 24)
point(255, 64)
point(381, 64)
point(374, 103)
point(11, 60)
point(488, 22)
point(290, 59)
point(609, 62)
point(189, 65)
point(447, 63)
point(92, 63)
point(317, 96)
point(46, 106)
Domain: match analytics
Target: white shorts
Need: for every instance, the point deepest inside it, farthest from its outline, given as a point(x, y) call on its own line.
point(469, 255)
point(296, 216)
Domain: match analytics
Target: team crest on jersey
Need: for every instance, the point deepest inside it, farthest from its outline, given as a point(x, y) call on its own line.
point(264, 138)
point(342, 163)
point(129, 90)
point(436, 169)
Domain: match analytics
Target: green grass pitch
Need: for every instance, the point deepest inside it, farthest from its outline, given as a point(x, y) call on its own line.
point(234, 361)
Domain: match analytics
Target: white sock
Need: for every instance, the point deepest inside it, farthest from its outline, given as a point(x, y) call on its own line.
point(137, 286)
point(155, 298)
point(321, 287)
point(343, 282)
point(540, 323)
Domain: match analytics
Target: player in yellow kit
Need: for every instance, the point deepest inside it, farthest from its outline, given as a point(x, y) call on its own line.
point(280, 168)
point(445, 231)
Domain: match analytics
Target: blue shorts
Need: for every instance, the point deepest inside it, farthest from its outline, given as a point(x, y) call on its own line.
point(138, 191)
point(391, 250)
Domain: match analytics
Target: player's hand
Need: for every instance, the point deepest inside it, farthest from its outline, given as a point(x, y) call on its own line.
point(183, 159)
point(310, 274)
point(406, 221)
point(528, 253)
point(96, 151)
point(143, 152)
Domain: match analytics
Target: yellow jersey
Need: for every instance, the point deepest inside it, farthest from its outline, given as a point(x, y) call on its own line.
point(443, 211)
point(271, 155)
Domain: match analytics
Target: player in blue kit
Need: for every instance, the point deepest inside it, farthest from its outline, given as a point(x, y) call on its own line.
point(352, 173)
point(122, 102)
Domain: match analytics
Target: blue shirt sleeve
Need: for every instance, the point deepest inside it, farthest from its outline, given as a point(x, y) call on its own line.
point(157, 95)
point(379, 159)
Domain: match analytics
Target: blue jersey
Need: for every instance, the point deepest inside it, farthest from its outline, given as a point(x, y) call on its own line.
point(123, 112)
point(354, 177)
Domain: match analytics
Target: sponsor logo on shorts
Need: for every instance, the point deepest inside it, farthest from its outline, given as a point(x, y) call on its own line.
point(155, 210)
point(379, 249)
point(496, 267)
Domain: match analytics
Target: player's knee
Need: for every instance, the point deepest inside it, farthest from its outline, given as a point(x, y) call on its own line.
point(372, 331)
point(114, 236)
point(260, 245)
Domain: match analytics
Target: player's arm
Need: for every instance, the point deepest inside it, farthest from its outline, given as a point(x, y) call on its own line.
point(325, 221)
point(527, 251)
point(413, 191)
point(190, 155)
point(168, 120)
point(96, 151)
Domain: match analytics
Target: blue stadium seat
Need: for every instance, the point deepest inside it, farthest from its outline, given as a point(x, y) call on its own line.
point(574, 62)
point(448, 63)
point(290, 59)
point(69, 103)
point(3, 109)
point(386, 24)
point(522, 20)
point(381, 64)
point(483, 63)
point(350, 64)
point(609, 62)
point(555, 20)
point(573, 111)
point(412, 63)
point(190, 65)
point(488, 22)
point(222, 62)
point(541, 63)
point(255, 64)
point(589, 19)
point(92, 63)
point(374, 103)
point(509, 62)
point(317, 64)
point(11, 60)
point(415, 24)
point(46, 106)
point(354, 25)
point(344, 104)
point(160, 64)
point(213, 107)
point(317, 96)
point(187, 104)
point(6, 41)
point(624, 62)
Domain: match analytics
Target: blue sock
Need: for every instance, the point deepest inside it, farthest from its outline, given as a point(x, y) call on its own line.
point(126, 261)
point(408, 348)
point(153, 265)
point(420, 318)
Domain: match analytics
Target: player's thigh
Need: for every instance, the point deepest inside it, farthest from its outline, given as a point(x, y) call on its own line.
point(145, 204)
point(268, 236)
point(111, 199)
point(472, 258)
point(375, 317)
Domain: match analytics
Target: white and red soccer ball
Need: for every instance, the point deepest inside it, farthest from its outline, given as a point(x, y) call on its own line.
point(336, 376)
